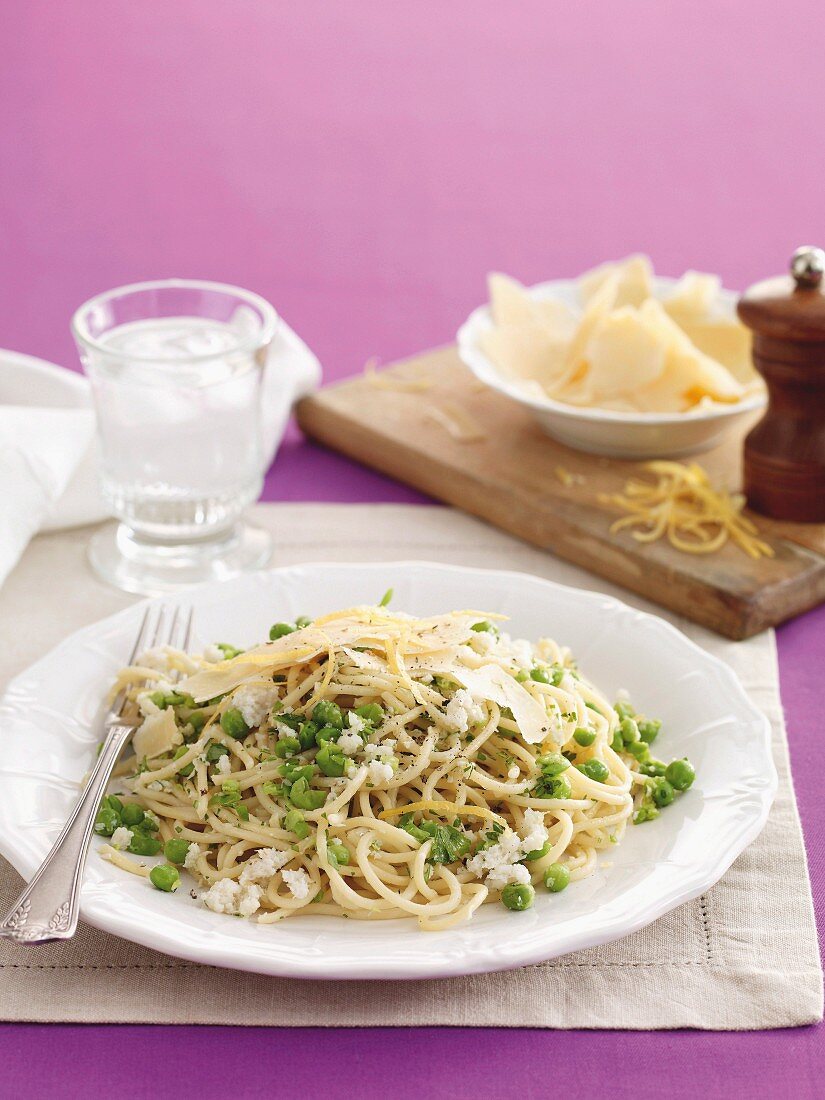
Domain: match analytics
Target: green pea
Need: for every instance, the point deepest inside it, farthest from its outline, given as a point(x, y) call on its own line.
point(215, 751)
point(640, 750)
point(338, 853)
point(228, 651)
point(232, 722)
point(326, 734)
point(629, 730)
point(653, 767)
point(175, 850)
point(646, 812)
point(143, 845)
point(518, 896)
point(538, 853)
point(680, 774)
point(132, 815)
point(291, 771)
point(585, 738)
point(114, 803)
point(522, 675)
point(280, 630)
point(306, 735)
point(295, 822)
point(552, 763)
point(649, 729)
point(556, 877)
point(330, 762)
point(624, 710)
point(287, 746)
point(197, 719)
point(107, 821)
point(371, 712)
point(661, 791)
point(594, 769)
point(327, 713)
point(305, 798)
point(165, 877)
point(294, 721)
point(484, 627)
point(617, 742)
point(303, 621)
point(547, 676)
point(187, 769)
point(557, 787)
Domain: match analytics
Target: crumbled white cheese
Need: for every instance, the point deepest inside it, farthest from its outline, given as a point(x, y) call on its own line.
point(264, 865)
point(381, 750)
point(228, 896)
point(222, 896)
point(283, 730)
point(254, 701)
point(534, 833)
point(157, 658)
point(192, 853)
point(514, 772)
point(212, 654)
point(249, 901)
point(122, 837)
point(506, 850)
point(298, 883)
point(462, 711)
point(484, 641)
point(379, 773)
point(349, 743)
point(336, 819)
point(502, 876)
point(500, 862)
point(223, 766)
point(356, 722)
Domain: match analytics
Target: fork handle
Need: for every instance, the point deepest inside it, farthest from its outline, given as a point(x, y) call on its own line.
point(49, 906)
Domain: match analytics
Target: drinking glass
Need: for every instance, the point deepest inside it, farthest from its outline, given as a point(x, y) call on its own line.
point(176, 368)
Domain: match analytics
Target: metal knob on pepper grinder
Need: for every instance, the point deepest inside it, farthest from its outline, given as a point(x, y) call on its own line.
point(784, 463)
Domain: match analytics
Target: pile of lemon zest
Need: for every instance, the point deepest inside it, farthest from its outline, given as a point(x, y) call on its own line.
point(441, 807)
point(684, 506)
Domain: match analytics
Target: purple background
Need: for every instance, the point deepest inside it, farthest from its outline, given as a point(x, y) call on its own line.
point(363, 164)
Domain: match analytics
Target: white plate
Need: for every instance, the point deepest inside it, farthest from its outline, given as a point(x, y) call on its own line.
point(50, 732)
point(603, 431)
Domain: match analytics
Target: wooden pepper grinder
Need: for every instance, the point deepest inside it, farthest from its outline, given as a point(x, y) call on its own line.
point(784, 465)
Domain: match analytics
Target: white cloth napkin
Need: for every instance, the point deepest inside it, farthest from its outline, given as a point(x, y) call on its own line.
point(48, 457)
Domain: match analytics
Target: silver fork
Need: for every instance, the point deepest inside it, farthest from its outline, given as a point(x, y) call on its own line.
point(48, 908)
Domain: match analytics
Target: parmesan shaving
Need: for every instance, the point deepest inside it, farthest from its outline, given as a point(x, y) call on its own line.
point(682, 505)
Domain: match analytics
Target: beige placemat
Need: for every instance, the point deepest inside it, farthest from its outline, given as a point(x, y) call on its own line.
point(742, 956)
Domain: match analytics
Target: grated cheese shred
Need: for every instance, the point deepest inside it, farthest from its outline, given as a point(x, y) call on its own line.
point(682, 505)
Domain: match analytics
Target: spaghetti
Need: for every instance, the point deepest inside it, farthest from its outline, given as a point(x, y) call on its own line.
point(373, 765)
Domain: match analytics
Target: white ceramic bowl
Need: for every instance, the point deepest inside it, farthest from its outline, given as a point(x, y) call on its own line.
point(50, 722)
point(603, 431)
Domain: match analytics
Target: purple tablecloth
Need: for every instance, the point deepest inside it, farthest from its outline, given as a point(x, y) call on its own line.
point(363, 165)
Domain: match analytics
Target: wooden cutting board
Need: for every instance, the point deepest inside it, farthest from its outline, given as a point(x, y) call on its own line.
point(507, 471)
